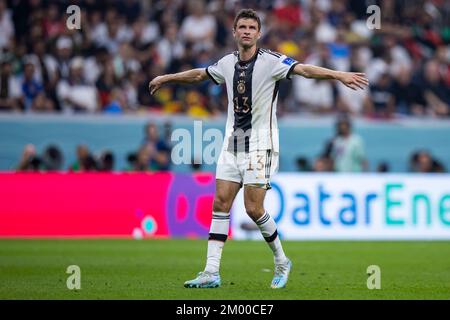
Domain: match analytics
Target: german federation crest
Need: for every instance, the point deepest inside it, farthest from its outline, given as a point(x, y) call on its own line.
point(241, 87)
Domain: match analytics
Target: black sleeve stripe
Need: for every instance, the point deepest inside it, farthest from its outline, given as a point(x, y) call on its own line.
point(288, 76)
point(212, 78)
point(275, 54)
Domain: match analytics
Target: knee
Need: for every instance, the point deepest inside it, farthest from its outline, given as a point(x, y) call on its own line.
point(254, 212)
point(221, 205)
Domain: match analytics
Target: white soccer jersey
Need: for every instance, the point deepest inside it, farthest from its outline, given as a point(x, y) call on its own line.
point(252, 88)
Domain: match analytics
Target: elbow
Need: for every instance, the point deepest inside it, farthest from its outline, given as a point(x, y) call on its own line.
point(303, 72)
point(306, 75)
point(198, 78)
point(202, 75)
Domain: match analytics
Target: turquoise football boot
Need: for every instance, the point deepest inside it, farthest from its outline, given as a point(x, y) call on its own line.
point(281, 275)
point(204, 280)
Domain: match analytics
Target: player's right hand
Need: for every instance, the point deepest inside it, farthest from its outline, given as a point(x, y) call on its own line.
point(155, 84)
point(353, 80)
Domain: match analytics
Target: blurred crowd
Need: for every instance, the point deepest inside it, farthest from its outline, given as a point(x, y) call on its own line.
point(153, 154)
point(420, 161)
point(344, 152)
point(105, 66)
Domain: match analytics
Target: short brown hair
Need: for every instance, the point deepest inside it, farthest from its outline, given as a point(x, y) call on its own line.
point(247, 14)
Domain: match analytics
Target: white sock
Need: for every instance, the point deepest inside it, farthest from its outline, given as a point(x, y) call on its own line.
point(218, 234)
point(268, 229)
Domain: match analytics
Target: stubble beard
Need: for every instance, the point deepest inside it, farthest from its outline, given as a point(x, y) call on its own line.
point(247, 46)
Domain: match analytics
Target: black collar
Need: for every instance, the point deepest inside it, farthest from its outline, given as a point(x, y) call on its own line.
point(255, 55)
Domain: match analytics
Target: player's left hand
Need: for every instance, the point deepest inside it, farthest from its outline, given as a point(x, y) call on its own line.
point(353, 80)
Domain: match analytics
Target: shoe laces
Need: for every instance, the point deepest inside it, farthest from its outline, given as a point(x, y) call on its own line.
point(281, 269)
point(205, 274)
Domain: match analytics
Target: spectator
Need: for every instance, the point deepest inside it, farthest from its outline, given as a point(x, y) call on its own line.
point(131, 160)
point(106, 83)
point(339, 49)
point(125, 60)
point(324, 32)
point(46, 73)
point(346, 148)
point(10, 90)
point(337, 12)
point(142, 159)
point(61, 64)
point(322, 101)
point(443, 59)
point(289, 15)
point(170, 46)
point(438, 167)
point(156, 149)
point(167, 134)
point(352, 101)
point(218, 8)
point(380, 103)
point(323, 164)
point(33, 93)
point(106, 162)
point(53, 24)
point(130, 90)
point(94, 65)
point(199, 27)
point(422, 162)
point(407, 96)
point(75, 94)
point(112, 32)
point(383, 167)
point(379, 64)
point(85, 161)
point(146, 100)
point(303, 164)
point(130, 9)
point(399, 56)
point(145, 32)
point(6, 26)
point(195, 106)
point(29, 160)
point(117, 102)
point(434, 91)
point(53, 158)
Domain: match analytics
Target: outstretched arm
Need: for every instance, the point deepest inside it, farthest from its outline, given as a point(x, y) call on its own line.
point(353, 80)
point(190, 76)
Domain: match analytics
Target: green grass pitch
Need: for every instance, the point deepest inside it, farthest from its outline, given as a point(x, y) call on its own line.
point(156, 269)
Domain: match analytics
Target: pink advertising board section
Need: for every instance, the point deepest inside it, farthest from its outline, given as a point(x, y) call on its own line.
point(142, 205)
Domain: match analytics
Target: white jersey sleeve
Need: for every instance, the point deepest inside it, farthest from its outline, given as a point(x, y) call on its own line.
point(283, 67)
point(216, 73)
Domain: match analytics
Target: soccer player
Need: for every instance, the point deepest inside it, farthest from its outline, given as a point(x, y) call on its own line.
point(249, 156)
